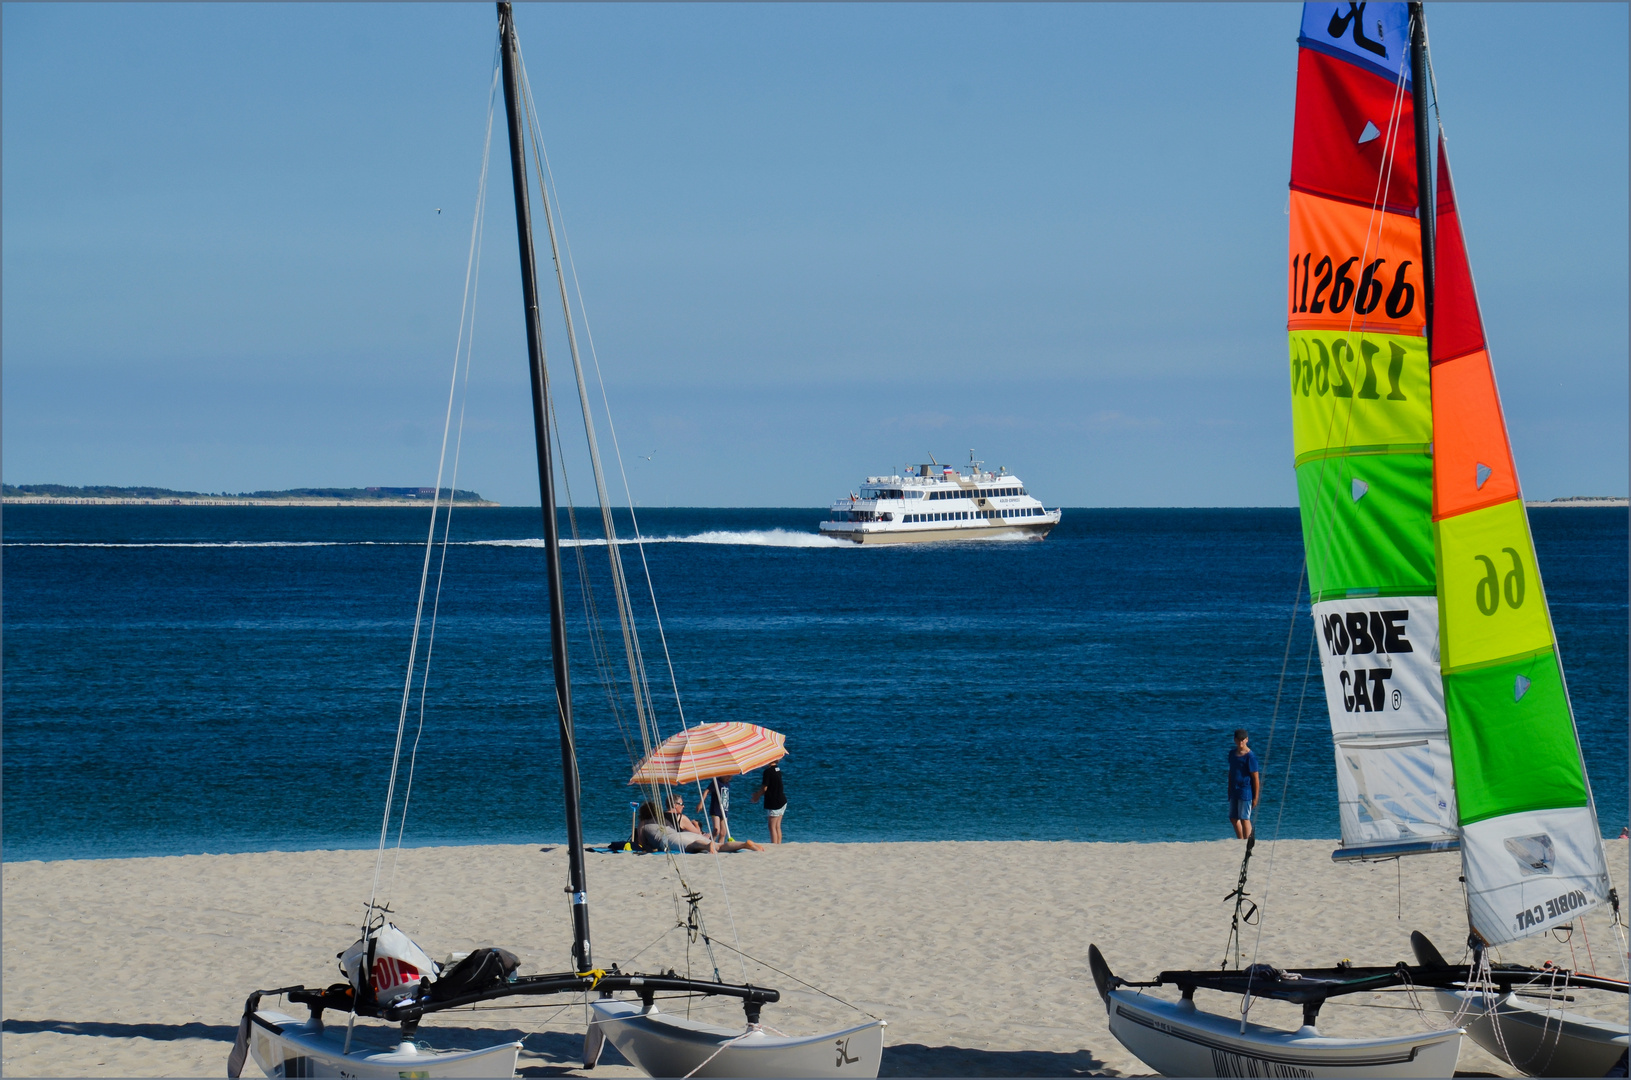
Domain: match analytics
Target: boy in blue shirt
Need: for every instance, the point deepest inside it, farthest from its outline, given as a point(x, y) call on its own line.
point(1245, 786)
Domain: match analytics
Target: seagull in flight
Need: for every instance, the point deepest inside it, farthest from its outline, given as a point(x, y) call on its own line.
point(438, 209)
point(649, 456)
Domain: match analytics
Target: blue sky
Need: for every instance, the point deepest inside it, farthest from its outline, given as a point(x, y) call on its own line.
point(815, 241)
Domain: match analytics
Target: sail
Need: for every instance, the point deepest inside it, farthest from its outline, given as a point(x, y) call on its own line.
point(1531, 848)
point(1362, 419)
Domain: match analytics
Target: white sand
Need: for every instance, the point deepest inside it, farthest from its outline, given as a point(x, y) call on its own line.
point(976, 953)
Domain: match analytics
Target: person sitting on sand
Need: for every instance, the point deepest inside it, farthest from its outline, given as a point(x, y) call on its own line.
point(676, 815)
point(652, 835)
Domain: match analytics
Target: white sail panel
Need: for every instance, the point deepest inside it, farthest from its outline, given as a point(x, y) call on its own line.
point(1379, 661)
point(1529, 872)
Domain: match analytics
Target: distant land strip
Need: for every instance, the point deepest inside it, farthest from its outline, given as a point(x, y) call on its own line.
point(101, 495)
point(1583, 500)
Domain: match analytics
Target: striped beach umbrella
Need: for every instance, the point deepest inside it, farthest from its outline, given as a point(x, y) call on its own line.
point(710, 750)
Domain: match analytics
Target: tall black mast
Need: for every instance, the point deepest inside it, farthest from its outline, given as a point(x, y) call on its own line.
point(1420, 83)
point(546, 491)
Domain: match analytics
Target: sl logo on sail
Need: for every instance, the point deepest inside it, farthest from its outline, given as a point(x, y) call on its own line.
point(843, 1054)
point(1356, 15)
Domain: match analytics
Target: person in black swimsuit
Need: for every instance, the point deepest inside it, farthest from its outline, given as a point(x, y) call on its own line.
point(770, 786)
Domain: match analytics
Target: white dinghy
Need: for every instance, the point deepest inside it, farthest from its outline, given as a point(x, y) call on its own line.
point(1518, 1014)
point(1535, 1037)
point(1179, 1039)
point(285, 1046)
point(664, 1044)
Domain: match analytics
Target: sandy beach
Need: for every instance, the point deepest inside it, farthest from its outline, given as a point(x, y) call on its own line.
point(975, 953)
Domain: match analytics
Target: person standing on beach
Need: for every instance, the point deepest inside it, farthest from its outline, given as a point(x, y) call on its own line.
point(770, 786)
point(1245, 785)
point(716, 801)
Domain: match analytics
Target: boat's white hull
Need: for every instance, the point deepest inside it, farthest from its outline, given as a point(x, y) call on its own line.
point(284, 1046)
point(660, 1044)
point(873, 533)
point(1177, 1039)
point(1539, 1041)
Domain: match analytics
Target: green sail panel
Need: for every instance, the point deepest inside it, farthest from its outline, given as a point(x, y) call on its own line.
point(1367, 522)
point(1511, 740)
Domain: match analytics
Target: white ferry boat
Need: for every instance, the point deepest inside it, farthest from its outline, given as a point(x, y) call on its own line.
point(935, 502)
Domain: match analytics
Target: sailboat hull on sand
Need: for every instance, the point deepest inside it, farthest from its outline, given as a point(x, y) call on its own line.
point(1540, 1041)
point(660, 1044)
point(1177, 1039)
point(284, 1046)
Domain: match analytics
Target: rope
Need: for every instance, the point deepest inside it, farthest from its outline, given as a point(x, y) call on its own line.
point(638, 678)
point(466, 314)
point(801, 982)
point(1279, 820)
point(722, 1047)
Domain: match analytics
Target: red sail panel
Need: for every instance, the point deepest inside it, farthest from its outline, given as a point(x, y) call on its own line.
point(1457, 327)
point(1355, 136)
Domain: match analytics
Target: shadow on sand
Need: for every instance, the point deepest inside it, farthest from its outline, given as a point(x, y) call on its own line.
point(158, 1032)
point(915, 1059)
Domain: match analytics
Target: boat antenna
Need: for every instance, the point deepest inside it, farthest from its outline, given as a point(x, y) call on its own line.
point(576, 887)
point(1427, 205)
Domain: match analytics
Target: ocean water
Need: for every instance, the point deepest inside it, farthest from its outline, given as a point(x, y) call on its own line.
point(182, 679)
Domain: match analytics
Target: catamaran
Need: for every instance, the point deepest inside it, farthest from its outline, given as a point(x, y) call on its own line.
point(1450, 717)
point(935, 502)
point(387, 975)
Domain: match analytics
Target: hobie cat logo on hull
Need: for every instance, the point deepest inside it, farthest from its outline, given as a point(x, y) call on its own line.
point(843, 1054)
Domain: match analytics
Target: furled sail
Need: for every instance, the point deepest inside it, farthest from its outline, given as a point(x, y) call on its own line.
point(1531, 848)
point(1362, 417)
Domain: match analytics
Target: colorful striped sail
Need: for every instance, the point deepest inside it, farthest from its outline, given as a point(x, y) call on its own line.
point(1531, 847)
point(1363, 427)
point(1449, 715)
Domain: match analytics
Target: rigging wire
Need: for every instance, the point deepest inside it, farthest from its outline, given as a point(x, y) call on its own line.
point(639, 681)
point(1285, 786)
point(466, 316)
point(480, 229)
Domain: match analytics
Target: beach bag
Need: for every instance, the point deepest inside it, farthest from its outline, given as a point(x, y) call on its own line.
point(481, 970)
point(397, 968)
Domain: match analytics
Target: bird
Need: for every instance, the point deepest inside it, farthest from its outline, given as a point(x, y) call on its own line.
point(649, 456)
point(438, 209)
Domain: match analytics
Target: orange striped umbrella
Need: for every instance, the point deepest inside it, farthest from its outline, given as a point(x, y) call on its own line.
point(710, 750)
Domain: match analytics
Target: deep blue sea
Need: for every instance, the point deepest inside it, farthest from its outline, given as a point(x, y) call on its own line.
point(184, 679)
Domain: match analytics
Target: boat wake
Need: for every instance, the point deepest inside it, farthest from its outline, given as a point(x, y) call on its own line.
point(785, 538)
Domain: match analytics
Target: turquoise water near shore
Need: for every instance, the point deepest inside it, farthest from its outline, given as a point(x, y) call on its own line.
point(211, 679)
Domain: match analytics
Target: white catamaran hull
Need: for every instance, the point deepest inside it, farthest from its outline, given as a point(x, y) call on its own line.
point(1177, 1039)
point(1538, 1041)
point(284, 1046)
point(663, 1045)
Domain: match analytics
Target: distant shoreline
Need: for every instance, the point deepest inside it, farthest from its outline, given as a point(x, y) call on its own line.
point(227, 500)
